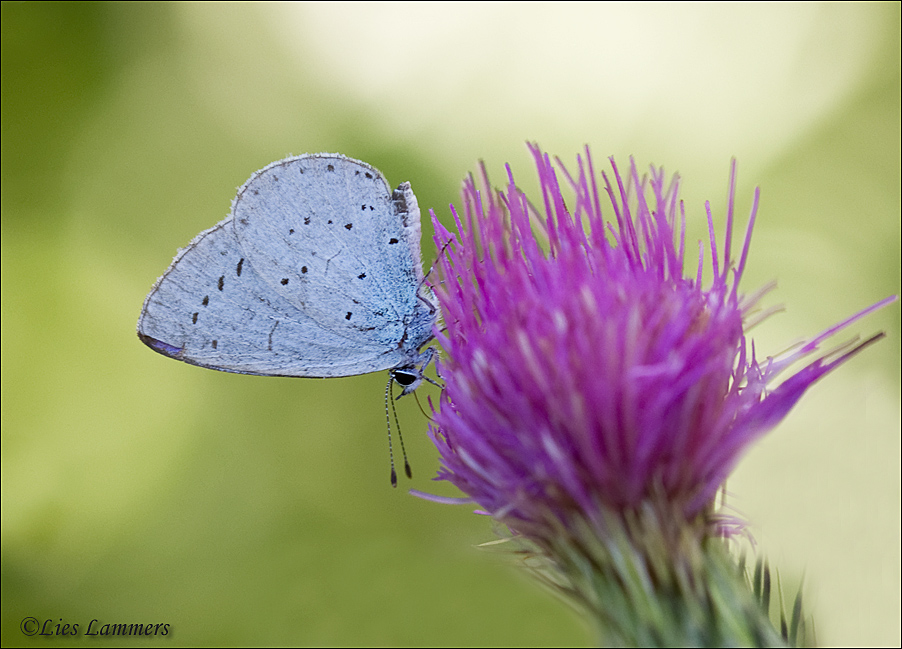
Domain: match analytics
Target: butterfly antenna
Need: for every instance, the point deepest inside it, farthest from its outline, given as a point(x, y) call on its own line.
point(400, 437)
point(391, 455)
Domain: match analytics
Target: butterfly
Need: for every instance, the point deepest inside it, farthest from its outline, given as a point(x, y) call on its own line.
point(316, 272)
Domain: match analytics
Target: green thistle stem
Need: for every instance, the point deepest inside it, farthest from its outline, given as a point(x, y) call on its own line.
point(644, 580)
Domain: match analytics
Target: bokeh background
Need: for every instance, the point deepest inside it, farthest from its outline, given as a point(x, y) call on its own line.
point(258, 510)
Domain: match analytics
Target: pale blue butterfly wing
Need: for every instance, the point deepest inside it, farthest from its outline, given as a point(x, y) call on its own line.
point(316, 272)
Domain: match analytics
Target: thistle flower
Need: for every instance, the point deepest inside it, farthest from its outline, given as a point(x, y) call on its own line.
point(596, 398)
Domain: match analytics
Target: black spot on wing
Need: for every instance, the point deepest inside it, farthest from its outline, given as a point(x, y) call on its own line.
point(238, 267)
point(348, 316)
point(303, 269)
point(221, 284)
point(206, 300)
point(284, 281)
point(348, 226)
point(215, 343)
point(330, 167)
point(393, 240)
point(194, 318)
point(361, 276)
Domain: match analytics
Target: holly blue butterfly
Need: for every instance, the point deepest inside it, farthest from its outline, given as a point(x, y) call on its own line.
point(316, 272)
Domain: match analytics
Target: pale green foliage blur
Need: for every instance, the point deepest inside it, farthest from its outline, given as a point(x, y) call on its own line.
point(250, 510)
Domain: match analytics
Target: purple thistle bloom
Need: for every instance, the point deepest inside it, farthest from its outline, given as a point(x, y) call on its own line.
point(596, 398)
point(588, 373)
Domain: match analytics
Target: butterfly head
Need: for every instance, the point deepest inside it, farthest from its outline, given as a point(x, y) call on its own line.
point(410, 375)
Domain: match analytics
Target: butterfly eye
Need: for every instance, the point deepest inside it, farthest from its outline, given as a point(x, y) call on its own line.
point(405, 377)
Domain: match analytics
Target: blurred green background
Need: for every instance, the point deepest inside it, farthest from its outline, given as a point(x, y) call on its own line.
point(252, 510)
